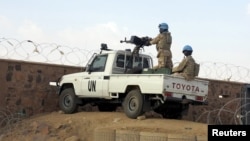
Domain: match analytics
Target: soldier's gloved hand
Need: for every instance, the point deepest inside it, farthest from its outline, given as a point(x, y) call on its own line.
point(147, 43)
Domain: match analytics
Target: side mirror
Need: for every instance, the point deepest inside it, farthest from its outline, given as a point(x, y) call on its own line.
point(89, 68)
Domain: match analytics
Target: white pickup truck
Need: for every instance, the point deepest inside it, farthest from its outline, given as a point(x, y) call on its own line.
point(119, 78)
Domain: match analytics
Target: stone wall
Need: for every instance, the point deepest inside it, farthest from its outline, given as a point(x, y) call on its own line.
point(25, 86)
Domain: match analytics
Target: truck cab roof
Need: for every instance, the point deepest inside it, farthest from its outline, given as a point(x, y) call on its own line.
point(118, 61)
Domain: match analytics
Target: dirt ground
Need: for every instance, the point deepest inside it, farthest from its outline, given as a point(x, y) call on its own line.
point(81, 126)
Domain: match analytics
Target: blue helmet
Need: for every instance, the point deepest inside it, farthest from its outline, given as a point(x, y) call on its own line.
point(163, 26)
point(187, 48)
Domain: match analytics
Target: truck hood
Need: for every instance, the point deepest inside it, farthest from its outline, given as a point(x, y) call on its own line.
point(69, 78)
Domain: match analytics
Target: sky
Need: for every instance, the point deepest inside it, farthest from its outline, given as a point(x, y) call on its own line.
point(218, 30)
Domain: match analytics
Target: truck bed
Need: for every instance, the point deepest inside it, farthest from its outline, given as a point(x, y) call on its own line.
point(177, 87)
point(167, 85)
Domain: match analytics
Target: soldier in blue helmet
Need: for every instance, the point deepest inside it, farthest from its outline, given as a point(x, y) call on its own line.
point(163, 43)
point(187, 67)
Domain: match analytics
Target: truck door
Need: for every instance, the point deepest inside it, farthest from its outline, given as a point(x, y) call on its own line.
point(92, 84)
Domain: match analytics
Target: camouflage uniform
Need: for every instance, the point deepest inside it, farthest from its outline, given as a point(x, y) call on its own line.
point(186, 68)
point(163, 44)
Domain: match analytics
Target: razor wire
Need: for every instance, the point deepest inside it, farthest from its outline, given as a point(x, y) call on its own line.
point(9, 120)
point(238, 116)
point(28, 50)
point(53, 53)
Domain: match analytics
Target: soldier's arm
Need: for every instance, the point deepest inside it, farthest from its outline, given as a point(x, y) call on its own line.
point(181, 66)
point(155, 40)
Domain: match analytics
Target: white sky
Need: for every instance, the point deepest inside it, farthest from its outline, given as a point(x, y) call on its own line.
point(218, 30)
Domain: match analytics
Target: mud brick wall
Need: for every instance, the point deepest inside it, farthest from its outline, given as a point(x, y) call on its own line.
point(24, 86)
point(219, 110)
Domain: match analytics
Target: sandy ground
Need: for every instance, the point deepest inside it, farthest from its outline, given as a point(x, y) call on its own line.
point(81, 126)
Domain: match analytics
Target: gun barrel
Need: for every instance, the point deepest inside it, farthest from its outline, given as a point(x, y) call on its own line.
point(137, 41)
point(125, 41)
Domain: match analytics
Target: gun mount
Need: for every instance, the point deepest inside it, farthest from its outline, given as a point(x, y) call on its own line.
point(138, 42)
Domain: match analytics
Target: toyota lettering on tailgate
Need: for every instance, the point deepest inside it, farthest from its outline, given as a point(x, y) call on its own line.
point(185, 87)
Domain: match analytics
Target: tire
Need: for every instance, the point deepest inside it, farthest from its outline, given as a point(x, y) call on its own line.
point(67, 101)
point(133, 104)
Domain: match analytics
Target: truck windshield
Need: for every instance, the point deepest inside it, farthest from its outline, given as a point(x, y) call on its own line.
point(98, 64)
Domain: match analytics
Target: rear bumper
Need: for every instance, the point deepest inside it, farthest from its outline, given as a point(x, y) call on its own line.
point(186, 101)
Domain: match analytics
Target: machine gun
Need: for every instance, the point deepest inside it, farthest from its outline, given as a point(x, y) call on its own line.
point(139, 44)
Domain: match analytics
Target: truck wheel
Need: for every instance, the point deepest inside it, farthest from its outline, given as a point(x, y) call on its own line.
point(67, 101)
point(133, 104)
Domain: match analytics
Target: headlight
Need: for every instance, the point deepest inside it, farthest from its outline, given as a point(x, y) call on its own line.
point(59, 81)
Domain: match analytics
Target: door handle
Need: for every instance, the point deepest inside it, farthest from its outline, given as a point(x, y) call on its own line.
point(87, 78)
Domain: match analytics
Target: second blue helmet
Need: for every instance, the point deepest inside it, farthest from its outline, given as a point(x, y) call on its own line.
point(187, 48)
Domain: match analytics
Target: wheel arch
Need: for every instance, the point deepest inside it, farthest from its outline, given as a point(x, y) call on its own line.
point(132, 87)
point(127, 90)
point(65, 86)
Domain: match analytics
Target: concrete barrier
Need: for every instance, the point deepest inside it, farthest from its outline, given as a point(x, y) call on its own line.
point(181, 137)
point(127, 135)
point(153, 136)
point(201, 138)
point(104, 134)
